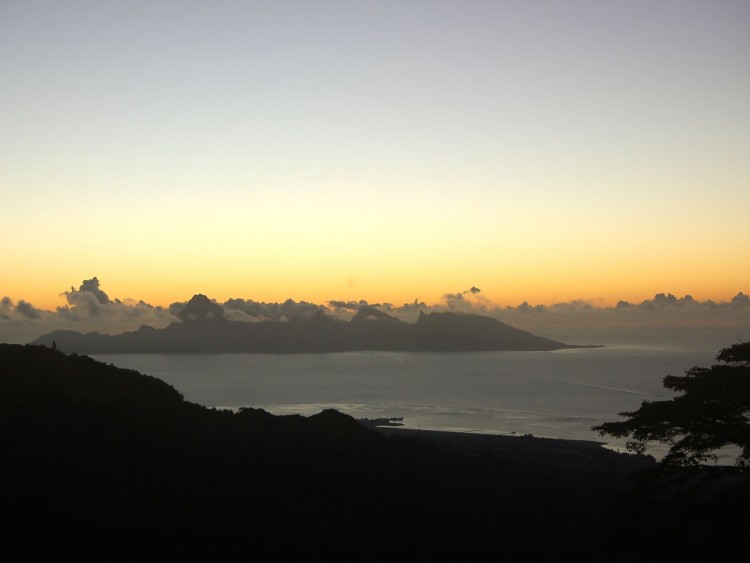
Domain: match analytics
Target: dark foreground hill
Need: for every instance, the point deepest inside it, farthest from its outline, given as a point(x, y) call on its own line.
point(103, 462)
point(204, 329)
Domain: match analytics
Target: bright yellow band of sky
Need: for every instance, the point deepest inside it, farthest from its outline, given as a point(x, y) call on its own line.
point(543, 152)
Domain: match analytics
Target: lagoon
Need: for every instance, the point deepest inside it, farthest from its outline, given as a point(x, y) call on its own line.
point(559, 394)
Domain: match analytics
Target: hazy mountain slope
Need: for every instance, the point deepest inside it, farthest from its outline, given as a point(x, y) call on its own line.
point(204, 330)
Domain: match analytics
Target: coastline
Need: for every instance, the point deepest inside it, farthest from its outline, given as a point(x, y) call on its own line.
point(583, 455)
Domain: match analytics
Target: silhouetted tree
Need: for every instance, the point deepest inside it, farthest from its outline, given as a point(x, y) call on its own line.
point(712, 411)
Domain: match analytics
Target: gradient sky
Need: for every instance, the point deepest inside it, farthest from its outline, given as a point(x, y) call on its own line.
point(386, 150)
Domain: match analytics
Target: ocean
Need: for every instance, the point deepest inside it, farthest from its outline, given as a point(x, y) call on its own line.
point(559, 394)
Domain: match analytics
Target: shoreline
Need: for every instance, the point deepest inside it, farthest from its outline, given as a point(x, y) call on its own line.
point(583, 455)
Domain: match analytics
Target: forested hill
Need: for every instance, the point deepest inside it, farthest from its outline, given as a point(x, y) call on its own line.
point(369, 329)
point(107, 463)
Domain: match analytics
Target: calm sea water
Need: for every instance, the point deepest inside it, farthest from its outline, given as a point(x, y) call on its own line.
point(556, 394)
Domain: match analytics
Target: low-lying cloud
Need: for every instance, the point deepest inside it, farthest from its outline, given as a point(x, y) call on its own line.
point(90, 308)
point(253, 311)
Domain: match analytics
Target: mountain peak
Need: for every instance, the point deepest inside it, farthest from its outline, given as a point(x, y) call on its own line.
point(370, 314)
point(201, 308)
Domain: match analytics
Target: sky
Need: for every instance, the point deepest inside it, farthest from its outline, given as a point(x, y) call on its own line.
point(545, 152)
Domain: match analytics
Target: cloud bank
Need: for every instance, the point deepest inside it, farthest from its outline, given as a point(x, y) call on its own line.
point(90, 308)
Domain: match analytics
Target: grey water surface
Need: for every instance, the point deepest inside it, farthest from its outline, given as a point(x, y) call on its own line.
point(558, 394)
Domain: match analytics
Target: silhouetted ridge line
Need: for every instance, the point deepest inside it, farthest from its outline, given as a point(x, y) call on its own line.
point(201, 308)
point(205, 330)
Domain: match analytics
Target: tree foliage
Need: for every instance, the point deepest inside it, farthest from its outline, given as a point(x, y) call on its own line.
point(711, 411)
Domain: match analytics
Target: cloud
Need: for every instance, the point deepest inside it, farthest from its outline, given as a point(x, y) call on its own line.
point(415, 307)
point(467, 301)
point(28, 310)
point(88, 298)
point(526, 308)
point(347, 306)
point(664, 310)
point(92, 286)
point(89, 308)
point(21, 322)
point(19, 312)
point(660, 301)
point(6, 308)
point(575, 306)
point(253, 311)
point(740, 301)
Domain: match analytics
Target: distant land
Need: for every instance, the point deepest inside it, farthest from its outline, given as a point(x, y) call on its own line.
point(203, 329)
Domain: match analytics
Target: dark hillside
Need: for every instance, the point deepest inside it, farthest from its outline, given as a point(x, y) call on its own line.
point(108, 463)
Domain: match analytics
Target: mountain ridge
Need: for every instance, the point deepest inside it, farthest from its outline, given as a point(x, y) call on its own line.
point(204, 329)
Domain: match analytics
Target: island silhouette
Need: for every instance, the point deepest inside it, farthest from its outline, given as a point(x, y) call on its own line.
point(203, 328)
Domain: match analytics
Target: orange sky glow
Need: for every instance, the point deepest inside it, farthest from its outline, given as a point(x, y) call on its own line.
point(375, 151)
